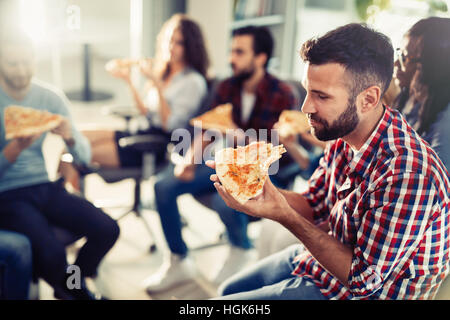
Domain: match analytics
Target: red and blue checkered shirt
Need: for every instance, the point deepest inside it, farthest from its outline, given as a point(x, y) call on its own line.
point(389, 202)
point(272, 97)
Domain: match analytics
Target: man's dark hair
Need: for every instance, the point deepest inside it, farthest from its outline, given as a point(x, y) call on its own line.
point(262, 40)
point(367, 55)
point(432, 76)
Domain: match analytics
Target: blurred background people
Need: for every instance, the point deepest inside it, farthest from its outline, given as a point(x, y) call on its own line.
point(29, 202)
point(422, 71)
point(258, 98)
point(176, 86)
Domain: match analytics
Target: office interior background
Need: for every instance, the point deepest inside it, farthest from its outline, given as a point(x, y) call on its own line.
point(75, 38)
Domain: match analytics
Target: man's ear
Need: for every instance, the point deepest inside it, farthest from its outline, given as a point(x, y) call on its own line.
point(261, 59)
point(370, 98)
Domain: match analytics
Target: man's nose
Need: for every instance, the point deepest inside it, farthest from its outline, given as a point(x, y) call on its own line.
point(231, 58)
point(308, 105)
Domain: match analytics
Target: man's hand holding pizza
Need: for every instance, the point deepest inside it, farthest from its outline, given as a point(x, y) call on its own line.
point(17, 145)
point(271, 204)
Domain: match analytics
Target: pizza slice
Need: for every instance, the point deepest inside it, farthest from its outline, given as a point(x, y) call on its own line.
point(120, 63)
point(243, 170)
point(292, 122)
point(24, 122)
point(220, 118)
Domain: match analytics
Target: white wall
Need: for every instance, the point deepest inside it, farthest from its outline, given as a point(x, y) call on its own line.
point(313, 22)
point(105, 23)
point(214, 17)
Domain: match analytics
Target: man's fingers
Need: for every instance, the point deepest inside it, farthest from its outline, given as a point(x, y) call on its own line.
point(214, 178)
point(268, 186)
point(222, 192)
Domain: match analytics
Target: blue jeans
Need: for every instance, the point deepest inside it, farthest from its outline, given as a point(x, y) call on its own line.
point(15, 266)
point(168, 188)
point(271, 279)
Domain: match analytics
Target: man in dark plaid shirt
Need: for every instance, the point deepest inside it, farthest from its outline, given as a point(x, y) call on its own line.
point(380, 188)
point(258, 99)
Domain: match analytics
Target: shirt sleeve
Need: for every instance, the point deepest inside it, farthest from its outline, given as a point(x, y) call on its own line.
point(401, 208)
point(81, 149)
point(318, 186)
point(185, 102)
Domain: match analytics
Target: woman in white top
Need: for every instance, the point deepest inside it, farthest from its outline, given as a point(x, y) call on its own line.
point(176, 88)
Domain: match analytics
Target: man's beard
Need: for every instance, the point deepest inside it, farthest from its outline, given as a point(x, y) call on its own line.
point(345, 124)
point(243, 75)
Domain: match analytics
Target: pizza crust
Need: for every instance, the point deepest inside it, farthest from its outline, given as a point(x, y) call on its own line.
point(244, 170)
point(120, 63)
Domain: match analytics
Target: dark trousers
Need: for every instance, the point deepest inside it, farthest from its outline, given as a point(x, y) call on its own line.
point(33, 211)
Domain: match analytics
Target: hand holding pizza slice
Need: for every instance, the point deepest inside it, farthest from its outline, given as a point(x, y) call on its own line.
point(260, 198)
point(244, 170)
point(120, 67)
point(21, 122)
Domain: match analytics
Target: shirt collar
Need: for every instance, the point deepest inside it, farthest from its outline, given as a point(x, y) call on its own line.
point(361, 160)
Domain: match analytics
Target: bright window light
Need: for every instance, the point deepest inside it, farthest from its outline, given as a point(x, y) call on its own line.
point(33, 19)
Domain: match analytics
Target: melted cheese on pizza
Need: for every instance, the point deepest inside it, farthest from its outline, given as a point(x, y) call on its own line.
point(244, 170)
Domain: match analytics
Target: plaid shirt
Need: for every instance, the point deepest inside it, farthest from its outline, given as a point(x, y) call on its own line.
point(389, 202)
point(272, 97)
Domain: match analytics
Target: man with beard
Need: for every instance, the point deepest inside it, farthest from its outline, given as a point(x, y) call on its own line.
point(380, 186)
point(258, 98)
point(29, 202)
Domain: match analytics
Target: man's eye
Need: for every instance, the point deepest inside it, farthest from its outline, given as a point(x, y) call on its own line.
point(322, 97)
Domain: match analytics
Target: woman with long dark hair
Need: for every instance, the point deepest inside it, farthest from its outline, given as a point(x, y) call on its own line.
point(176, 86)
point(422, 71)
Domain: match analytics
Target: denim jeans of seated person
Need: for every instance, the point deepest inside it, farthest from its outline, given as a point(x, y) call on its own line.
point(167, 190)
point(15, 266)
point(271, 279)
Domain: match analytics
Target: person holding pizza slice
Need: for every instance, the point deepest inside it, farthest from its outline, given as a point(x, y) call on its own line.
point(383, 190)
point(257, 99)
point(29, 202)
point(175, 88)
